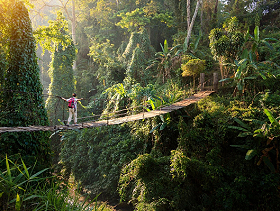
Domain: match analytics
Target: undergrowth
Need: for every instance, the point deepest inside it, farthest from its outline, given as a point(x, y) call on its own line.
point(192, 163)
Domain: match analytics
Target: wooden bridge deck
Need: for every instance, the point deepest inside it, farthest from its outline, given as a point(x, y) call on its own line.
point(142, 115)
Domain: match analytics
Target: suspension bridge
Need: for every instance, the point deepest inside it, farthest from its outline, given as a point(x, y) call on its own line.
point(114, 121)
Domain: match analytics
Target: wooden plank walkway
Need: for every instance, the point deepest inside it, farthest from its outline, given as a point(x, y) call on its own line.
point(143, 115)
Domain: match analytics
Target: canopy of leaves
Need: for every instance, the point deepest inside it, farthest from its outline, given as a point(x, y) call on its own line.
point(49, 37)
point(226, 44)
point(193, 67)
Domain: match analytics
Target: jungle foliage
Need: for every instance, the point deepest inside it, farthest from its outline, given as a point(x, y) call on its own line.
point(96, 163)
point(196, 158)
point(219, 154)
point(205, 168)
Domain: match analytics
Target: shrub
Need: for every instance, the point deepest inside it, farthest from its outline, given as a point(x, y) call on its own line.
point(95, 156)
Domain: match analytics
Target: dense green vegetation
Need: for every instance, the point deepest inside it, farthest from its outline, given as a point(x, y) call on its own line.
point(219, 154)
point(23, 188)
point(21, 101)
point(197, 162)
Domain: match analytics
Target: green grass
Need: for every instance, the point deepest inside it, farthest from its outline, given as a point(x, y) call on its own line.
point(22, 189)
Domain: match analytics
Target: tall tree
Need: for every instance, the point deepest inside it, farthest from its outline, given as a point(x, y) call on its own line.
point(4, 37)
point(69, 10)
point(62, 81)
point(21, 102)
point(2, 67)
point(56, 39)
point(138, 51)
point(192, 22)
point(188, 13)
point(141, 40)
point(226, 44)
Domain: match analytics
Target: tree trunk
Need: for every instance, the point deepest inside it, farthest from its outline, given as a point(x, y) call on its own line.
point(193, 82)
point(215, 81)
point(202, 81)
point(192, 23)
point(188, 13)
point(215, 12)
point(222, 71)
point(177, 13)
point(74, 30)
point(216, 7)
point(201, 17)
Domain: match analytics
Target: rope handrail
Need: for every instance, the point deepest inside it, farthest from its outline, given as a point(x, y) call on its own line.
point(158, 110)
point(127, 109)
point(99, 123)
point(106, 115)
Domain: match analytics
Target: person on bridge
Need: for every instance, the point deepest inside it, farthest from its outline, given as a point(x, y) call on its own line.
point(72, 105)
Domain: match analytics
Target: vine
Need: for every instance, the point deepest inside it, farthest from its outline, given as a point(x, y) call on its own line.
point(56, 39)
point(22, 103)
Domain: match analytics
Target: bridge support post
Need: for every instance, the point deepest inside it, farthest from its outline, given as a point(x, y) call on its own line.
point(215, 81)
point(144, 104)
point(202, 81)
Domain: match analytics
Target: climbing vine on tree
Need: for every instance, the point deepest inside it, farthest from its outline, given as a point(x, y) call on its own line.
point(138, 51)
point(56, 39)
point(21, 102)
point(62, 81)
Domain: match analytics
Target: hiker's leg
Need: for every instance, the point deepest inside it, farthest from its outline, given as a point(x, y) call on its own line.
point(70, 116)
point(75, 116)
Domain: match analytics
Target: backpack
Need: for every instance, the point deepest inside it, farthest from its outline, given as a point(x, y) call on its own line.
point(71, 103)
